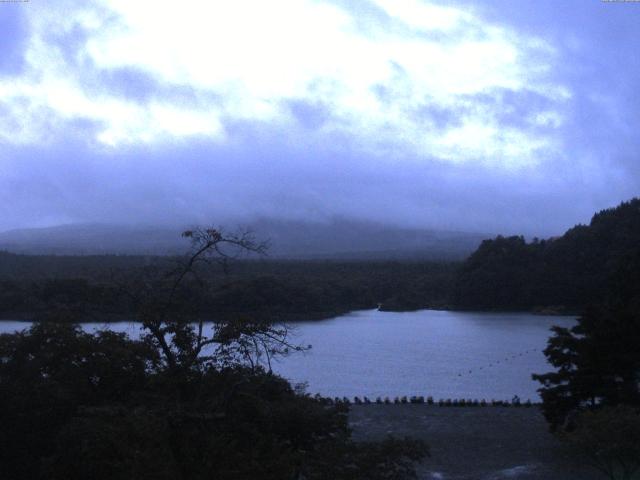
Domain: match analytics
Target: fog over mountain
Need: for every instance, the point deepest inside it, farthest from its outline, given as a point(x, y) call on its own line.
point(338, 239)
point(417, 114)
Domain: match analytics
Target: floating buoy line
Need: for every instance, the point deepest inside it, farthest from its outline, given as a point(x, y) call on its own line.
point(495, 363)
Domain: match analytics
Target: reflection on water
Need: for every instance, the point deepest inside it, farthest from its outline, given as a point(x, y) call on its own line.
point(440, 353)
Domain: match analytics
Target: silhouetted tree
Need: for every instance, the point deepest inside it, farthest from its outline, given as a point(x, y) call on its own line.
point(598, 360)
point(166, 301)
point(183, 403)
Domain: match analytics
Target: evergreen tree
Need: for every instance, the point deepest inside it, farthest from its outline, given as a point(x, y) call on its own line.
point(598, 360)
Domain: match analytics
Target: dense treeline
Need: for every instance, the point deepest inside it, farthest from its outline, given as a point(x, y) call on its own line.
point(564, 274)
point(96, 287)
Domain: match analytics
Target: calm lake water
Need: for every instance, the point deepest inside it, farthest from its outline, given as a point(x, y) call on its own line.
point(440, 353)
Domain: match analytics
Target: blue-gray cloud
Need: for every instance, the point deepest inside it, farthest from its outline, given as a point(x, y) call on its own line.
point(549, 136)
point(15, 35)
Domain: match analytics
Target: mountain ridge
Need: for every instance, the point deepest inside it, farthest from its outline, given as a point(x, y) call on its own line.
point(337, 239)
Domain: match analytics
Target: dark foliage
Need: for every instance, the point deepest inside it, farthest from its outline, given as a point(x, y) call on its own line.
point(562, 274)
point(597, 361)
point(181, 403)
point(85, 288)
point(47, 374)
point(609, 438)
point(77, 406)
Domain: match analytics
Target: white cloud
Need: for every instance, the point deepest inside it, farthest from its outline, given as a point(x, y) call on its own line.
point(255, 56)
point(424, 16)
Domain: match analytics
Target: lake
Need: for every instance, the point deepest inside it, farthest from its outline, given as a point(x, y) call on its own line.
point(444, 354)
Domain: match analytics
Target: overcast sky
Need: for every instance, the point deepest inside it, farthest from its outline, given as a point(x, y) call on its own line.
point(501, 116)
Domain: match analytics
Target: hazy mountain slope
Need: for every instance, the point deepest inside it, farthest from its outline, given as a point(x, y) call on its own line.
point(340, 239)
point(363, 240)
point(87, 239)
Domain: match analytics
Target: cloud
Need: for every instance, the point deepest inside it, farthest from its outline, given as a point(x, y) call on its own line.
point(113, 64)
point(414, 112)
point(205, 181)
point(15, 33)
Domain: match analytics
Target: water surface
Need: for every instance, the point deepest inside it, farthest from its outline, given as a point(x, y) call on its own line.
point(445, 354)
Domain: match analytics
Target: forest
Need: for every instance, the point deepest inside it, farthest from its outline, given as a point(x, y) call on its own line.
point(557, 275)
point(94, 287)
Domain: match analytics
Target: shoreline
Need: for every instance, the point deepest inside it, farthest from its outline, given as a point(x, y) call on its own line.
point(302, 316)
